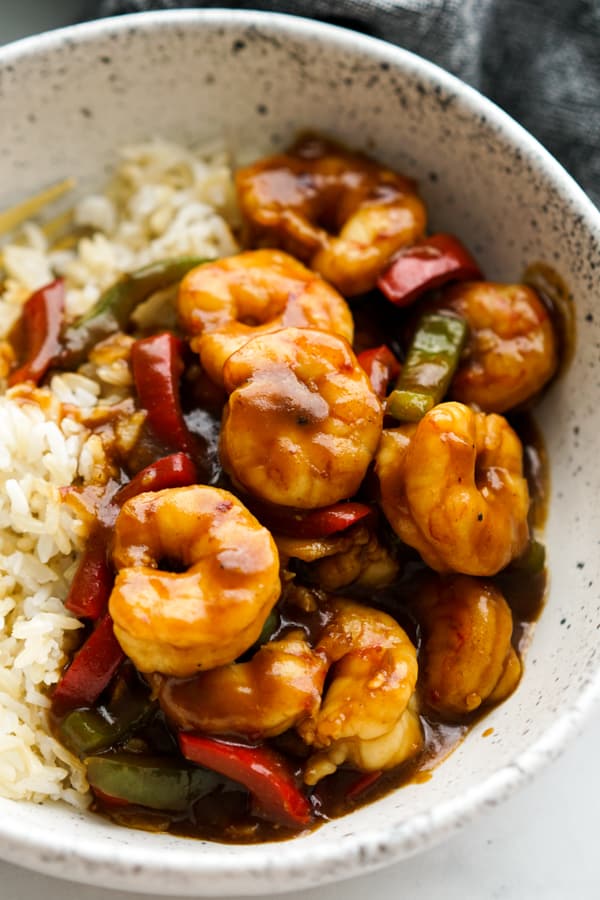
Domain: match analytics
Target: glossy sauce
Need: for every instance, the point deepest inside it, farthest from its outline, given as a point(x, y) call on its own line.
point(226, 814)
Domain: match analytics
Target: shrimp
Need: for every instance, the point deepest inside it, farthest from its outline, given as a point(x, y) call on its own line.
point(466, 658)
point(311, 549)
point(224, 303)
point(367, 715)
point(340, 212)
point(452, 487)
point(302, 422)
point(177, 622)
point(260, 698)
point(511, 350)
point(353, 556)
point(364, 716)
point(398, 745)
point(366, 563)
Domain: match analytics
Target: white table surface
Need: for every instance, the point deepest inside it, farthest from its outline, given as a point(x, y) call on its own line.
point(541, 843)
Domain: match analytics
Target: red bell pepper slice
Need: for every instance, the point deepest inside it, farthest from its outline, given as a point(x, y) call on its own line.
point(91, 670)
point(381, 367)
point(362, 784)
point(313, 523)
point(93, 581)
point(108, 801)
point(176, 470)
point(428, 264)
point(41, 322)
point(266, 774)
point(157, 366)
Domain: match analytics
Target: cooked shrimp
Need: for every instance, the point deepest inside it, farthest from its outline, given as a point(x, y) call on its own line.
point(342, 213)
point(311, 549)
point(302, 422)
point(452, 487)
point(261, 698)
point(224, 303)
point(353, 556)
point(398, 745)
point(511, 349)
point(466, 657)
point(179, 622)
point(364, 717)
point(374, 676)
point(366, 563)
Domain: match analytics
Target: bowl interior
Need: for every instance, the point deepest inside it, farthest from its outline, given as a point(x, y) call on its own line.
point(68, 100)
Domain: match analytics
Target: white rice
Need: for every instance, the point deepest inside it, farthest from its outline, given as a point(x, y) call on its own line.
point(164, 201)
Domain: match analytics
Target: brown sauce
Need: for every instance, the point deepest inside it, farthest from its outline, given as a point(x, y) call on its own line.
point(226, 814)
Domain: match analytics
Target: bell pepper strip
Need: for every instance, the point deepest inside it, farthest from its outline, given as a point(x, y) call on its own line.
point(381, 367)
point(154, 782)
point(362, 784)
point(268, 630)
point(313, 523)
point(91, 670)
point(41, 323)
point(93, 580)
point(157, 366)
point(270, 627)
point(85, 731)
point(175, 470)
point(109, 802)
point(89, 731)
point(429, 366)
point(426, 265)
point(115, 306)
point(262, 771)
point(532, 561)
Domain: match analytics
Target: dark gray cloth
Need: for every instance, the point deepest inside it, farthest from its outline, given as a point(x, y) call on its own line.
point(538, 59)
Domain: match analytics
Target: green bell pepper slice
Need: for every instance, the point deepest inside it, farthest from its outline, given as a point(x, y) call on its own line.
point(152, 781)
point(114, 307)
point(431, 362)
point(87, 731)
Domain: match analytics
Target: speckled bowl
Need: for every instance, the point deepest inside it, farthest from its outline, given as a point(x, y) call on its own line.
point(66, 100)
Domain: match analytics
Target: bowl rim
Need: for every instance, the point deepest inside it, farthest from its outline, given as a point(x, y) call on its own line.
point(373, 847)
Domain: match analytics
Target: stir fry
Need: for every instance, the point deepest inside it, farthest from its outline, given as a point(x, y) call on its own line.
point(311, 555)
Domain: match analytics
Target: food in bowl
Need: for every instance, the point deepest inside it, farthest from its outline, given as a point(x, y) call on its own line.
point(284, 479)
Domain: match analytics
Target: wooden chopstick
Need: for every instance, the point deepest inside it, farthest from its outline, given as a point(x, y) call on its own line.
point(16, 215)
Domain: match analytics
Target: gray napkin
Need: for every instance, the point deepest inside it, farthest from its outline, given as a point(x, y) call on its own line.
point(538, 59)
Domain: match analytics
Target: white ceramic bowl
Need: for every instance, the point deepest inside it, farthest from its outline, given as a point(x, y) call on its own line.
point(67, 99)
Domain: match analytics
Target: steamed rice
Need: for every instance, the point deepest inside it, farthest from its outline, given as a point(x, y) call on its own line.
point(163, 201)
